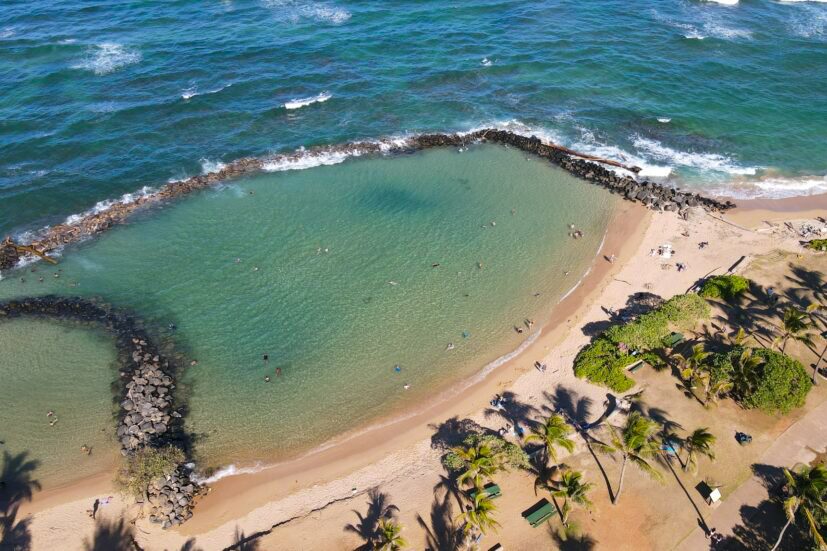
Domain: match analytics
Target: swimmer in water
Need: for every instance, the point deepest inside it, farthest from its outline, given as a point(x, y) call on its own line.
point(278, 371)
point(450, 346)
point(406, 386)
point(267, 379)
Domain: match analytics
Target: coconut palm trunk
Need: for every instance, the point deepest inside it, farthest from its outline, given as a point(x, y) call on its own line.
point(620, 483)
point(781, 535)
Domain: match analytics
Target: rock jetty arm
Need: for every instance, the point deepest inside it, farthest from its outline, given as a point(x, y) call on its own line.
point(652, 195)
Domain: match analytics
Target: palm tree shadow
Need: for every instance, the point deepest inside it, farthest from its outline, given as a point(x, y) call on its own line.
point(453, 431)
point(242, 542)
point(16, 487)
point(367, 528)
point(442, 534)
point(567, 402)
point(512, 410)
point(111, 536)
point(571, 540)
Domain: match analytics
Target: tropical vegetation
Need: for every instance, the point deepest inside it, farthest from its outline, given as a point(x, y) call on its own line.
point(636, 443)
point(482, 456)
point(698, 443)
point(553, 433)
point(389, 536)
point(479, 515)
point(603, 361)
point(726, 287)
point(805, 493)
point(573, 491)
point(817, 244)
point(762, 378)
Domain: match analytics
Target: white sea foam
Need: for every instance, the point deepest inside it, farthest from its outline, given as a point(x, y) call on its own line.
point(664, 120)
point(103, 206)
point(208, 166)
point(486, 62)
point(108, 57)
point(304, 102)
point(809, 22)
point(192, 91)
point(7, 32)
point(295, 11)
point(230, 470)
point(703, 161)
point(302, 160)
point(724, 2)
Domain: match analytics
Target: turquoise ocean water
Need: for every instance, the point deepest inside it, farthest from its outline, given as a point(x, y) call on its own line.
point(98, 99)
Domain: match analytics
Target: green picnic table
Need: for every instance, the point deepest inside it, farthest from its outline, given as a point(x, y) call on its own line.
point(539, 513)
point(490, 490)
point(672, 340)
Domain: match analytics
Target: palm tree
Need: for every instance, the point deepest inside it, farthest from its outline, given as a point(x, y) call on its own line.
point(572, 489)
point(796, 325)
point(805, 491)
point(719, 388)
point(636, 442)
point(553, 433)
point(389, 536)
point(481, 463)
point(745, 372)
point(694, 369)
point(479, 515)
point(698, 443)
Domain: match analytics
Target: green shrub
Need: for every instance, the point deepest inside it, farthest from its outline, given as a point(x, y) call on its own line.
point(649, 330)
point(726, 287)
point(817, 245)
point(602, 363)
point(147, 465)
point(783, 383)
point(780, 383)
point(513, 455)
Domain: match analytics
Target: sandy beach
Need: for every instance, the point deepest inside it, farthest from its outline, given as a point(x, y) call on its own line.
point(305, 503)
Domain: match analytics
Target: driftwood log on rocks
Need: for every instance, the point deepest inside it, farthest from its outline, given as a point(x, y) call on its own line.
point(652, 195)
point(148, 415)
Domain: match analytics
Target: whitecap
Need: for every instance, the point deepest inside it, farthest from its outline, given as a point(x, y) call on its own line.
point(486, 62)
point(103, 206)
point(664, 120)
point(724, 2)
point(303, 160)
point(809, 22)
point(108, 57)
point(208, 166)
point(7, 32)
point(703, 161)
point(192, 91)
point(304, 102)
point(295, 11)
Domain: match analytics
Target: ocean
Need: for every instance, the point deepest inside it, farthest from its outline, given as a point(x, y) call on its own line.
point(329, 269)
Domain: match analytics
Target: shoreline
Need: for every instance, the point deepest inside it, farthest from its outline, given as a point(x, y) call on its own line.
point(245, 497)
point(627, 219)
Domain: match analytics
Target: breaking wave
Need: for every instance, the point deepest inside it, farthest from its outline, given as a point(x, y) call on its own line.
point(108, 57)
point(304, 102)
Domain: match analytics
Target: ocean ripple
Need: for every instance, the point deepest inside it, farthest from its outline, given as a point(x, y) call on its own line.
point(295, 11)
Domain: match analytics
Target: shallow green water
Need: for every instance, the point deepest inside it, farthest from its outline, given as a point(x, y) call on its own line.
point(47, 366)
point(299, 265)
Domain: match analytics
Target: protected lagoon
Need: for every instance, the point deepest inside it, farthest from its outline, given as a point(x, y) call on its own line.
point(337, 273)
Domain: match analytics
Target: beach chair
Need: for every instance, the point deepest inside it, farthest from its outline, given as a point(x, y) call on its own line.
point(490, 490)
point(539, 513)
point(673, 340)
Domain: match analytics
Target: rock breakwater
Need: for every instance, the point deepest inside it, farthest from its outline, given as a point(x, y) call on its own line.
point(653, 195)
point(149, 415)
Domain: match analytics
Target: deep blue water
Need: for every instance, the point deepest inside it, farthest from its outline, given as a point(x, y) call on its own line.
point(100, 98)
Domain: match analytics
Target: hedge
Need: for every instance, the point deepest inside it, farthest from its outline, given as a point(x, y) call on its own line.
point(726, 287)
point(513, 455)
point(649, 330)
point(603, 363)
point(782, 382)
